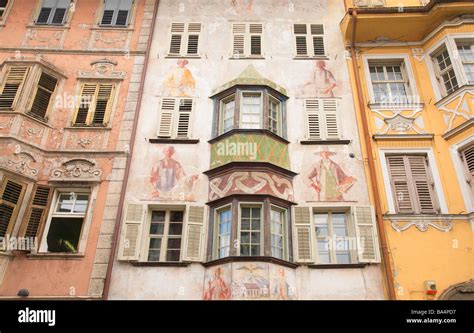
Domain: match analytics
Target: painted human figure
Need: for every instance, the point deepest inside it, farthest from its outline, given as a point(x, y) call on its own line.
point(322, 83)
point(165, 176)
point(246, 4)
point(328, 179)
point(281, 289)
point(180, 82)
point(216, 288)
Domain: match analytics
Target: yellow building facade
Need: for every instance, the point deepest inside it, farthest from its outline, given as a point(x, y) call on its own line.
point(412, 72)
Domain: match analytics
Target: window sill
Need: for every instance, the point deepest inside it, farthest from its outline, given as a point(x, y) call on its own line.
point(395, 106)
point(247, 259)
point(187, 56)
point(444, 99)
point(324, 57)
point(88, 128)
point(55, 256)
point(26, 115)
point(112, 28)
point(248, 58)
point(248, 131)
point(159, 264)
point(176, 141)
point(337, 266)
point(325, 142)
point(48, 26)
point(379, 137)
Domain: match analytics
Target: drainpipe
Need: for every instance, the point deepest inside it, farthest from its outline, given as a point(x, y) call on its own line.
point(370, 161)
point(116, 233)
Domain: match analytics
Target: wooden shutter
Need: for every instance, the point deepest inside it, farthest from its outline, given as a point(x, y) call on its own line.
point(184, 118)
point(109, 11)
point(366, 232)
point(329, 107)
point(129, 248)
point(103, 104)
point(194, 233)
point(467, 156)
point(194, 29)
point(10, 199)
point(11, 88)
point(177, 31)
point(239, 31)
point(317, 33)
point(300, 31)
point(86, 103)
point(44, 92)
point(303, 231)
point(123, 13)
point(38, 211)
point(53, 12)
point(423, 185)
point(255, 39)
point(166, 117)
point(399, 180)
point(313, 119)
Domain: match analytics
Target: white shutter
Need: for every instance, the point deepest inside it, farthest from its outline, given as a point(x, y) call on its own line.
point(194, 233)
point(366, 233)
point(12, 86)
point(313, 123)
point(255, 39)
point(329, 107)
point(130, 239)
point(239, 33)
point(301, 44)
point(184, 118)
point(303, 244)
point(167, 111)
point(177, 31)
point(317, 38)
point(192, 46)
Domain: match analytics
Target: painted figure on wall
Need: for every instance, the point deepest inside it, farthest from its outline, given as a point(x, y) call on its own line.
point(281, 290)
point(216, 288)
point(242, 4)
point(328, 179)
point(180, 82)
point(169, 180)
point(322, 83)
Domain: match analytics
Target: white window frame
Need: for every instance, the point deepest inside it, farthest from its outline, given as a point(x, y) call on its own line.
point(66, 20)
point(6, 12)
point(222, 104)
point(185, 40)
point(350, 226)
point(279, 130)
point(175, 117)
point(309, 42)
point(262, 224)
point(215, 248)
point(86, 224)
point(470, 41)
point(165, 237)
point(284, 212)
point(323, 128)
point(466, 189)
point(242, 93)
point(433, 169)
point(399, 57)
point(247, 41)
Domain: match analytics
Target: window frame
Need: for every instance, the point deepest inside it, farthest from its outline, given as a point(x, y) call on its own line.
point(250, 92)
point(165, 236)
point(309, 42)
point(114, 15)
point(184, 41)
point(175, 118)
point(470, 43)
point(16, 212)
point(250, 204)
point(386, 81)
point(216, 244)
point(247, 41)
point(111, 104)
point(285, 228)
point(440, 72)
point(6, 12)
point(87, 217)
point(35, 89)
point(279, 119)
point(223, 102)
point(322, 119)
point(66, 17)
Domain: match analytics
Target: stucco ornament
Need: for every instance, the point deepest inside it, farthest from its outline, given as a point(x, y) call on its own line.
point(458, 109)
point(399, 121)
point(77, 169)
point(422, 225)
point(21, 163)
point(102, 68)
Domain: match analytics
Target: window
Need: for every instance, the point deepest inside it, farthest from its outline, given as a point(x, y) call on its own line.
point(251, 111)
point(12, 86)
point(166, 229)
point(466, 52)
point(445, 71)
point(309, 40)
point(389, 82)
point(116, 13)
point(95, 104)
point(250, 230)
point(467, 156)
point(278, 232)
point(53, 12)
point(228, 110)
point(322, 119)
point(247, 40)
point(43, 95)
point(411, 182)
point(175, 118)
point(274, 116)
point(66, 222)
point(184, 39)
point(224, 222)
point(4, 5)
point(10, 200)
point(332, 238)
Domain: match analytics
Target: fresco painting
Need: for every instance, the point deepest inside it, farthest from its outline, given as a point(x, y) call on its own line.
point(282, 283)
point(217, 284)
point(250, 281)
point(169, 180)
point(322, 82)
point(180, 82)
point(327, 178)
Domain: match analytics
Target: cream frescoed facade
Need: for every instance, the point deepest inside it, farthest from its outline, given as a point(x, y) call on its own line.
point(247, 160)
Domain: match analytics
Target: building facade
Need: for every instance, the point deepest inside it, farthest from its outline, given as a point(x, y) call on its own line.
point(412, 77)
point(69, 78)
point(247, 179)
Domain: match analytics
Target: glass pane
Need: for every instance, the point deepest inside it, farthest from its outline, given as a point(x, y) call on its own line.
point(81, 203)
point(172, 255)
point(174, 243)
point(245, 224)
point(66, 202)
point(175, 229)
point(244, 250)
point(255, 224)
point(245, 212)
point(321, 218)
point(255, 238)
point(158, 216)
point(255, 250)
point(176, 216)
point(343, 258)
point(63, 234)
point(324, 258)
point(245, 237)
point(154, 255)
point(322, 230)
point(323, 245)
point(157, 228)
point(155, 243)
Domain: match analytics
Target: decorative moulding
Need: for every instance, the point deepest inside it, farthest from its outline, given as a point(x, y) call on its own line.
point(421, 222)
point(102, 69)
point(20, 163)
point(77, 170)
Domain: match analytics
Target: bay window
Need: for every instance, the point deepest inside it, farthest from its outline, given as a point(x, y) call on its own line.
point(250, 230)
point(251, 111)
point(224, 222)
point(445, 71)
point(466, 53)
